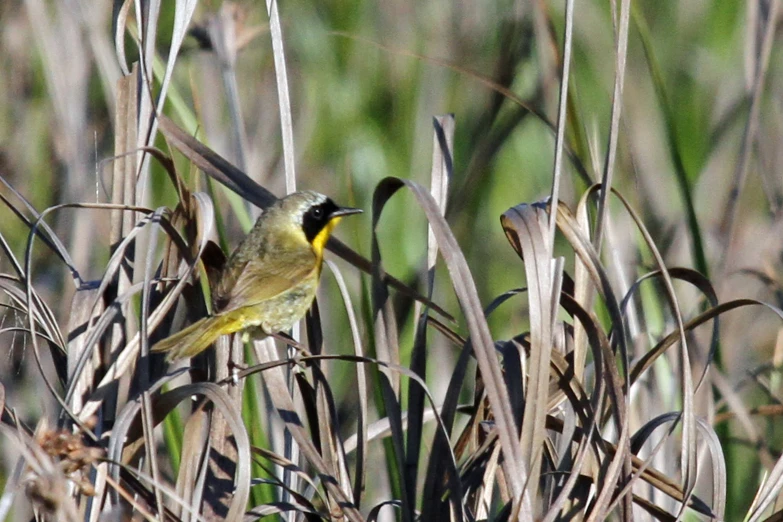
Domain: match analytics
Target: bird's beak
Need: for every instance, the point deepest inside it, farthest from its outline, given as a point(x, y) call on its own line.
point(345, 211)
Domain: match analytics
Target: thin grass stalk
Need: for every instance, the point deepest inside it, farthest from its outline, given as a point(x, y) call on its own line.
point(360, 473)
point(614, 127)
point(147, 13)
point(286, 129)
point(750, 132)
point(442, 170)
point(561, 118)
point(284, 100)
point(144, 370)
point(222, 30)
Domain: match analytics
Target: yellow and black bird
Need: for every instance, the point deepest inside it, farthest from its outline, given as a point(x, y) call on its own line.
point(269, 282)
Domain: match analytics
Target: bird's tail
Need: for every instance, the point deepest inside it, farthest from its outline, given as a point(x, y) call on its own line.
point(195, 338)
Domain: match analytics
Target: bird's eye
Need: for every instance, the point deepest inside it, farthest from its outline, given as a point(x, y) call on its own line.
point(317, 212)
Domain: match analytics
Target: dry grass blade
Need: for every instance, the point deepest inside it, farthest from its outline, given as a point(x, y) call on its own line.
point(561, 118)
point(128, 435)
point(440, 179)
point(381, 428)
point(620, 464)
point(584, 291)
point(278, 508)
point(118, 279)
point(45, 234)
point(284, 99)
point(194, 462)
point(132, 489)
point(302, 474)
point(483, 345)
point(222, 454)
point(699, 281)
point(144, 371)
point(589, 258)
point(375, 512)
point(642, 469)
point(293, 422)
point(183, 12)
point(225, 407)
point(214, 165)
point(124, 167)
point(101, 322)
point(120, 20)
point(688, 456)
point(718, 463)
point(768, 493)
point(526, 228)
point(222, 34)
point(16, 291)
point(614, 128)
point(126, 357)
point(323, 412)
point(278, 390)
point(147, 105)
point(583, 408)
point(361, 380)
point(645, 362)
point(31, 302)
point(83, 314)
point(387, 349)
point(43, 314)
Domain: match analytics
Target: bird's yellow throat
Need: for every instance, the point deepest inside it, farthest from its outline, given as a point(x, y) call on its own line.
point(319, 242)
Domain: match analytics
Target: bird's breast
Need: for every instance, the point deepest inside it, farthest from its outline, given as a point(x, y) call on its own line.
point(283, 311)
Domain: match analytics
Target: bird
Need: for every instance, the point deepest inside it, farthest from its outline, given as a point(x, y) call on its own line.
point(269, 281)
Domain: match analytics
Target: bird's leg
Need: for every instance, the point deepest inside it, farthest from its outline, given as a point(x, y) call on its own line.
point(234, 369)
point(300, 348)
point(282, 336)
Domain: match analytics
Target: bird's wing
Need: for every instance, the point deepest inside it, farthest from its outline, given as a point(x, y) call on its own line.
point(255, 283)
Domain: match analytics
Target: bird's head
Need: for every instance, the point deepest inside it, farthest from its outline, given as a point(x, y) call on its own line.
point(312, 214)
